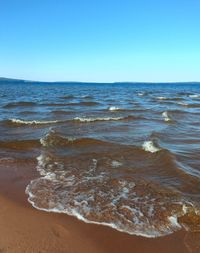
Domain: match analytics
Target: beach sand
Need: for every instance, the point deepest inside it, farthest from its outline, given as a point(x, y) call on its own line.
point(25, 229)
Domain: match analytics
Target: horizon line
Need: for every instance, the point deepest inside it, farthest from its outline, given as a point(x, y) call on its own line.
point(114, 82)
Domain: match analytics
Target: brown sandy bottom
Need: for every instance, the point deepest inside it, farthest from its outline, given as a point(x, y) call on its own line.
point(25, 229)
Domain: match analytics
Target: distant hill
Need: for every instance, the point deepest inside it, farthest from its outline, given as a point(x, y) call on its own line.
point(10, 80)
point(4, 80)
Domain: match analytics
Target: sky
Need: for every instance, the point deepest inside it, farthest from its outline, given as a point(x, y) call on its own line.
point(100, 40)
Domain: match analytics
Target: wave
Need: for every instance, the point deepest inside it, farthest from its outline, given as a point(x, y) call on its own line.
point(87, 120)
point(183, 93)
point(87, 96)
point(138, 228)
point(67, 97)
point(166, 116)
point(54, 139)
point(76, 119)
point(162, 98)
point(177, 111)
point(101, 188)
point(119, 109)
point(183, 104)
point(194, 96)
point(97, 119)
point(194, 105)
point(170, 99)
point(141, 94)
point(32, 122)
point(89, 103)
point(150, 146)
point(27, 112)
point(21, 104)
point(91, 194)
point(54, 104)
point(114, 108)
point(20, 144)
point(86, 103)
point(61, 112)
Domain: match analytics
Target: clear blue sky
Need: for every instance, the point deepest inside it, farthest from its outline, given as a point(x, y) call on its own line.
point(100, 40)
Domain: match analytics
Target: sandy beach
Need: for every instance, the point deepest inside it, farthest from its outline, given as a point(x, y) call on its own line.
point(25, 229)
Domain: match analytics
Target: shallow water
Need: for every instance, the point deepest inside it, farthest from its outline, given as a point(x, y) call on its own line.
point(121, 155)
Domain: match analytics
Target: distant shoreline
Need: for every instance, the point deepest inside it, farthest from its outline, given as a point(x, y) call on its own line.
point(13, 80)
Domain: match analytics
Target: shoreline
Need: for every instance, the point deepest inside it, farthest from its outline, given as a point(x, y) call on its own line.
point(25, 229)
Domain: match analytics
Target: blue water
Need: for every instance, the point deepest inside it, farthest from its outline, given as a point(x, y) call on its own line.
point(124, 155)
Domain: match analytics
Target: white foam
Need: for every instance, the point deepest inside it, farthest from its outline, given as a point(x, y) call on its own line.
point(80, 119)
point(52, 138)
point(84, 203)
point(161, 98)
point(194, 96)
point(113, 108)
point(34, 122)
point(116, 164)
point(97, 119)
point(150, 147)
point(152, 233)
point(75, 213)
point(44, 139)
point(166, 116)
point(182, 103)
point(174, 222)
point(141, 94)
point(42, 161)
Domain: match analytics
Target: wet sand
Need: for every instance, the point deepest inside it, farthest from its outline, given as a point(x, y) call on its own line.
point(25, 229)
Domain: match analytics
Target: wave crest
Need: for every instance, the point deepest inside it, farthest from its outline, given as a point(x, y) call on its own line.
point(166, 116)
point(150, 146)
point(89, 188)
point(33, 122)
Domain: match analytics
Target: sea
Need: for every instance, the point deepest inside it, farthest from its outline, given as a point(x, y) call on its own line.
point(124, 155)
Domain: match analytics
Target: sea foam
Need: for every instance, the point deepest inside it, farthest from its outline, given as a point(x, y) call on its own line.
point(82, 119)
point(149, 146)
point(166, 116)
point(113, 108)
point(34, 122)
point(63, 188)
point(194, 96)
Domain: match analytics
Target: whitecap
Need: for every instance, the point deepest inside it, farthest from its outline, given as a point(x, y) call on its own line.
point(166, 116)
point(80, 119)
point(194, 96)
point(113, 108)
point(33, 122)
point(182, 103)
point(174, 222)
point(61, 188)
point(141, 94)
point(150, 147)
point(116, 164)
point(161, 98)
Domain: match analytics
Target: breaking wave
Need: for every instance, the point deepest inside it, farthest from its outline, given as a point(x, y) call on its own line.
point(76, 119)
point(82, 119)
point(114, 108)
point(194, 96)
point(86, 120)
point(89, 186)
point(33, 122)
point(150, 146)
point(166, 116)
